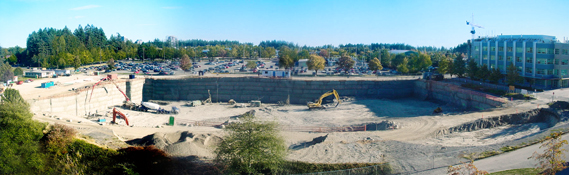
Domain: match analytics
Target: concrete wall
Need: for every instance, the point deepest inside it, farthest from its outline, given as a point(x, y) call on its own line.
point(454, 94)
point(268, 90)
point(77, 103)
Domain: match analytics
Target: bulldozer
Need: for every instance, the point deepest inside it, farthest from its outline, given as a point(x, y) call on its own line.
point(318, 104)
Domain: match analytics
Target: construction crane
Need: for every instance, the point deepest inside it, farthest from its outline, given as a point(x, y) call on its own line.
point(117, 112)
point(318, 104)
point(473, 25)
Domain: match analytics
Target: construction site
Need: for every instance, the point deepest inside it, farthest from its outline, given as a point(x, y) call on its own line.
point(413, 124)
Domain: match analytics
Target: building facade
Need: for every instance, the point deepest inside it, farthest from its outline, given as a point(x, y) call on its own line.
point(541, 59)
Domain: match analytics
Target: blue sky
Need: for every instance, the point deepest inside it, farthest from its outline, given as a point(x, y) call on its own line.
point(305, 22)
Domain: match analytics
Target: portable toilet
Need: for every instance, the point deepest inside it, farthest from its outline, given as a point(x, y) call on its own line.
point(171, 121)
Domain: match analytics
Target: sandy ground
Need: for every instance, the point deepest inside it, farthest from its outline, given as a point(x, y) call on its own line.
point(411, 148)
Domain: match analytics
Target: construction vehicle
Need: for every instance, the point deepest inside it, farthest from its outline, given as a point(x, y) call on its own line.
point(120, 114)
point(127, 104)
point(318, 104)
point(433, 74)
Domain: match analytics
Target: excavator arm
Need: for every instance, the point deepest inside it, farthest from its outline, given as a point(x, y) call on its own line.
point(119, 113)
point(318, 104)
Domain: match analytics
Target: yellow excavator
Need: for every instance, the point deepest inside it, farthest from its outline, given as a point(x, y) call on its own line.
point(318, 104)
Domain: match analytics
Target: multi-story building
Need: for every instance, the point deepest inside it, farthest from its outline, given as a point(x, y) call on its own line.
point(539, 58)
point(173, 41)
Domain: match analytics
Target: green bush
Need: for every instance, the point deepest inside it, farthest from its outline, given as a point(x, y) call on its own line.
point(20, 147)
point(18, 71)
point(295, 167)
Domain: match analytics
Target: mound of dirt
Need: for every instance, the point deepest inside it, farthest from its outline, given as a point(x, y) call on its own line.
point(383, 125)
point(181, 143)
point(560, 105)
point(314, 141)
point(542, 115)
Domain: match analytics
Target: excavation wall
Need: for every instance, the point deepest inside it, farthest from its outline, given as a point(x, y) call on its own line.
point(456, 95)
point(540, 115)
point(77, 102)
point(269, 90)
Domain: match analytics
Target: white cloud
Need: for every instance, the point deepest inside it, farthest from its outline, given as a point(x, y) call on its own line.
point(85, 7)
point(173, 7)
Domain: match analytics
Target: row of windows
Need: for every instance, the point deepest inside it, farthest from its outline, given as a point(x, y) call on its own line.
point(528, 59)
point(529, 70)
point(528, 50)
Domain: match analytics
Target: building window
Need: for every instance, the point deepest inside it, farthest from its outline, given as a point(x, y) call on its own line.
point(493, 49)
point(500, 58)
point(549, 51)
point(564, 72)
point(500, 49)
point(554, 71)
point(529, 49)
point(519, 69)
point(542, 50)
point(501, 67)
point(485, 57)
point(564, 52)
point(540, 71)
point(556, 62)
point(519, 49)
point(556, 51)
point(563, 62)
point(484, 48)
point(476, 48)
point(491, 66)
point(509, 58)
point(493, 57)
point(529, 60)
point(549, 71)
point(541, 61)
point(550, 61)
point(529, 70)
point(519, 59)
point(509, 49)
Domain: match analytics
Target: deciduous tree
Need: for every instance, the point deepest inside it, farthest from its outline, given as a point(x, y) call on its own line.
point(251, 64)
point(251, 147)
point(375, 64)
point(111, 64)
point(552, 159)
point(185, 62)
point(316, 63)
point(403, 67)
point(345, 62)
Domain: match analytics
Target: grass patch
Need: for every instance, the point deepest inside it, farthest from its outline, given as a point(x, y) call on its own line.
point(522, 171)
point(304, 167)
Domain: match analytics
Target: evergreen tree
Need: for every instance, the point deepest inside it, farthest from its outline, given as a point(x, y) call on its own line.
point(459, 66)
point(472, 69)
point(512, 75)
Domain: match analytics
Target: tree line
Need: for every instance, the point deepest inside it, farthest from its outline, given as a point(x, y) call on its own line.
point(61, 48)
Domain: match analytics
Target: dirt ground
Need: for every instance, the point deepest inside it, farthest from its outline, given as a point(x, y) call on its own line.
point(406, 148)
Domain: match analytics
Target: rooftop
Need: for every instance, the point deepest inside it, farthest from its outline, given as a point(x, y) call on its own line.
point(539, 38)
